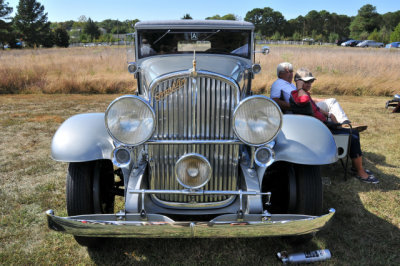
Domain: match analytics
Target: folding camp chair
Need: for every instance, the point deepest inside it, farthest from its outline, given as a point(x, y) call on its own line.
point(343, 142)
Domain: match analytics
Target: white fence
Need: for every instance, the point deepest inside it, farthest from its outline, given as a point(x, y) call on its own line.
point(294, 42)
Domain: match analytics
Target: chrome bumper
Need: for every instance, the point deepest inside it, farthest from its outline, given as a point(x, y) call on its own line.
point(160, 226)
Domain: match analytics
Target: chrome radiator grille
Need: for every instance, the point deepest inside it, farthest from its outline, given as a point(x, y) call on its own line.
point(192, 110)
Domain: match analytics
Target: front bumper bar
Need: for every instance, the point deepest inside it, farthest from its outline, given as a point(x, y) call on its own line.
point(160, 226)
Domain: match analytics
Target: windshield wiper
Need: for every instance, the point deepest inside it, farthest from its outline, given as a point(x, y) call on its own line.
point(210, 35)
point(162, 36)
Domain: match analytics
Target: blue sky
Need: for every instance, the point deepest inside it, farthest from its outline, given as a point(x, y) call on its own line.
point(98, 10)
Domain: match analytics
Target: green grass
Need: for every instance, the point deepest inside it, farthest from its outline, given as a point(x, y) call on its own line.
point(364, 231)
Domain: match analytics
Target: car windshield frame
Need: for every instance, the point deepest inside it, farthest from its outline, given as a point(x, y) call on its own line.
point(152, 42)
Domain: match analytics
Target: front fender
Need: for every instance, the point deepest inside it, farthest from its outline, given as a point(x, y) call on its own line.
point(82, 138)
point(305, 140)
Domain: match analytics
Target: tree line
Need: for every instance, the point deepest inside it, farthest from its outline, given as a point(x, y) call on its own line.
point(327, 27)
point(31, 25)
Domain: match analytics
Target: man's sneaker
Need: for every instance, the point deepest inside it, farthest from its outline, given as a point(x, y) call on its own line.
point(370, 179)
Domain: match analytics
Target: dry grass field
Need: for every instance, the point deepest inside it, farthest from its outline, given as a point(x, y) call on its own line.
point(364, 231)
point(340, 70)
point(72, 70)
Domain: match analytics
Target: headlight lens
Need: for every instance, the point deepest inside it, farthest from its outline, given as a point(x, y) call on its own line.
point(257, 120)
point(130, 120)
point(193, 171)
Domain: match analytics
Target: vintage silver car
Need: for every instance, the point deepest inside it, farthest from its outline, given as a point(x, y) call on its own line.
point(193, 153)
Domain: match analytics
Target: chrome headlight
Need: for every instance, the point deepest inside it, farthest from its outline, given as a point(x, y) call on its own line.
point(130, 120)
point(193, 171)
point(257, 120)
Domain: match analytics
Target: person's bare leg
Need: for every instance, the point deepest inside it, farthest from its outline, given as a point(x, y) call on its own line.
point(357, 164)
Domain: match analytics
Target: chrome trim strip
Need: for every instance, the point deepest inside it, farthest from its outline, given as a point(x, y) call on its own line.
point(160, 226)
point(187, 142)
point(197, 206)
point(194, 25)
point(198, 192)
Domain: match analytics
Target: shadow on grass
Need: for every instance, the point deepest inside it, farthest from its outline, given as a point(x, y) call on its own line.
point(230, 251)
point(378, 159)
point(358, 233)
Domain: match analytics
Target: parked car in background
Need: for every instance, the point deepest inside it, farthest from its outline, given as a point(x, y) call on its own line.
point(370, 43)
point(350, 43)
point(340, 41)
point(393, 45)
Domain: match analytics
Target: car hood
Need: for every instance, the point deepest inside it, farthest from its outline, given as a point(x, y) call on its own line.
point(230, 66)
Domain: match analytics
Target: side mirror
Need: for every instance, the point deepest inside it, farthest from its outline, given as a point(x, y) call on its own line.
point(264, 50)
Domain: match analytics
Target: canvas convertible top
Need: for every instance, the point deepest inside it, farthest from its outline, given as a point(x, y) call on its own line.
point(195, 24)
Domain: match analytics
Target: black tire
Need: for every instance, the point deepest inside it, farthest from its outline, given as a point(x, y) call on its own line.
point(309, 189)
point(295, 188)
point(89, 186)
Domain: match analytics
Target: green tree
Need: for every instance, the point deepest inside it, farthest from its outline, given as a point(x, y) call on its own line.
point(385, 34)
point(61, 37)
point(5, 27)
point(370, 16)
point(4, 9)
point(313, 23)
point(116, 26)
point(364, 35)
point(276, 36)
point(296, 25)
point(187, 16)
point(375, 36)
point(266, 20)
point(395, 36)
point(296, 36)
point(333, 36)
point(91, 29)
point(356, 28)
point(215, 17)
point(390, 20)
point(31, 22)
point(67, 25)
point(225, 17)
point(366, 20)
point(47, 39)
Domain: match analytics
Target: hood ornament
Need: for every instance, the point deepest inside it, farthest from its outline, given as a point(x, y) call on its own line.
point(193, 70)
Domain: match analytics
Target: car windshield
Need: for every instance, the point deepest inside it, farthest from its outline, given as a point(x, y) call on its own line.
point(231, 42)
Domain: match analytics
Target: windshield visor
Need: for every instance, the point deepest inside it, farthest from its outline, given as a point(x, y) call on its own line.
point(159, 42)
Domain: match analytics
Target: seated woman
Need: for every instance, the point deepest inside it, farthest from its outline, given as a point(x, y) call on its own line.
point(302, 97)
